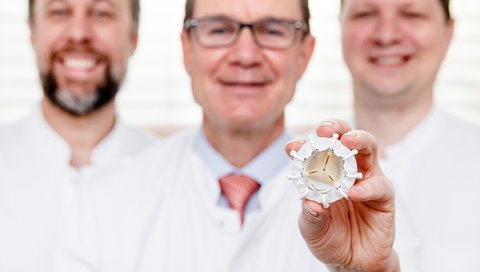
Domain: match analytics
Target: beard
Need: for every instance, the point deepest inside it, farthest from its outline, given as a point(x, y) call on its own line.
point(104, 93)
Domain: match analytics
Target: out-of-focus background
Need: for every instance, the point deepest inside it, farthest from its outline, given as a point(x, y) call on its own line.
point(157, 89)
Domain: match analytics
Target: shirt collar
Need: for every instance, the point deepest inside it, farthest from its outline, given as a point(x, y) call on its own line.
point(416, 137)
point(262, 168)
point(427, 126)
point(45, 138)
point(111, 146)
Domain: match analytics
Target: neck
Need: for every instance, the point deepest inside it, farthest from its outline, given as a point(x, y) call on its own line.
point(390, 122)
point(81, 133)
point(239, 146)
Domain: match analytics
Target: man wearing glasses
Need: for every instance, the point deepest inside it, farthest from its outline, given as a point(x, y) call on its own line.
point(217, 198)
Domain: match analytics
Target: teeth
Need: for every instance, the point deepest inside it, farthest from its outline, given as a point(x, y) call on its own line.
point(77, 63)
point(390, 60)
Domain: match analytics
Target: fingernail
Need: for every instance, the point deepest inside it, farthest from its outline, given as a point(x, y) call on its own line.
point(294, 141)
point(327, 124)
point(351, 133)
point(310, 209)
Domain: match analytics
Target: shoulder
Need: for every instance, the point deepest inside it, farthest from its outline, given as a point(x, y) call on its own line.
point(135, 139)
point(457, 128)
point(15, 137)
point(184, 137)
point(146, 170)
point(13, 130)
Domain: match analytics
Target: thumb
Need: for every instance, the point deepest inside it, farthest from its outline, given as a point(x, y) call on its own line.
point(314, 221)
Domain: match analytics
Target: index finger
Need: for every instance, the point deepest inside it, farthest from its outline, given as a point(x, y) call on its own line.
point(325, 129)
point(293, 145)
point(330, 127)
point(366, 146)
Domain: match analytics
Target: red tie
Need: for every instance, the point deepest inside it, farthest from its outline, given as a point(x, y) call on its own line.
point(238, 189)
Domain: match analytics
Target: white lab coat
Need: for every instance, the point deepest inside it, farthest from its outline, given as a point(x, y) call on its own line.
point(435, 172)
point(38, 187)
point(161, 213)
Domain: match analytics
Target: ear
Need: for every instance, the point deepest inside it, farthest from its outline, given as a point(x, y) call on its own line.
point(33, 37)
point(450, 29)
point(449, 32)
point(134, 41)
point(187, 48)
point(307, 45)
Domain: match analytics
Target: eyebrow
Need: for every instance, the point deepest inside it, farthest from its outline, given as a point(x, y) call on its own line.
point(225, 17)
point(47, 4)
point(412, 5)
point(367, 4)
point(53, 1)
point(104, 1)
point(95, 1)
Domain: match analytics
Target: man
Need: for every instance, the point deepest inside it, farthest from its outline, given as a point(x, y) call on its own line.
point(394, 50)
point(82, 49)
point(181, 206)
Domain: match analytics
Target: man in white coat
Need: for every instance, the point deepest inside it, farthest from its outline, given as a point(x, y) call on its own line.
point(82, 50)
point(393, 50)
point(177, 208)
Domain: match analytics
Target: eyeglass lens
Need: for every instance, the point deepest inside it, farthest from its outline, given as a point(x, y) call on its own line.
point(222, 32)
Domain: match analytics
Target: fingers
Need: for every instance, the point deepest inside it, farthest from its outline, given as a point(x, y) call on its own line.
point(373, 187)
point(377, 189)
point(314, 219)
point(328, 128)
point(366, 145)
point(313, 210)
point(293, 145)
point(356, 139)
point(360, 140)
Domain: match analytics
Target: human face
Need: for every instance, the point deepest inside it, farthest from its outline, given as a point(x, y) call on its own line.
point(82, 49)
point(394, 48)
point(243, 86)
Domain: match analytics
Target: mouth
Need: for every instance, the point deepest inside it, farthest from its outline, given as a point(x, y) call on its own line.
point(245, 84)
point(390, 61)
point(80, 63)
point(79, 59)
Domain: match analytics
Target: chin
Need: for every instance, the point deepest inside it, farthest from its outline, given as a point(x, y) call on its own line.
point(390, 88)
point(242, 123)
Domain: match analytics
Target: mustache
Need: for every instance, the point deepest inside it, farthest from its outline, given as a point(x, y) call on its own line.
point(77, 48)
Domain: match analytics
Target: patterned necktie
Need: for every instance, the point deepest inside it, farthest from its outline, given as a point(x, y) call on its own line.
point(238, 189)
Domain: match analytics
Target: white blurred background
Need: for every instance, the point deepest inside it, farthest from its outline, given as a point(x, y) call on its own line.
point(157, 91)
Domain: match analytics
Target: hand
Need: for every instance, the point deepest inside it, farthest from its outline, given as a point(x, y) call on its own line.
point(355, 234)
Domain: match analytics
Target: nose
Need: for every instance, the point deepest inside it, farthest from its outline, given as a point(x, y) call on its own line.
point(79, 30)
point(245, 52)
point(387, 31)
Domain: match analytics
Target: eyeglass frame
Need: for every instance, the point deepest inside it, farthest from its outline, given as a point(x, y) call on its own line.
point(298, 25)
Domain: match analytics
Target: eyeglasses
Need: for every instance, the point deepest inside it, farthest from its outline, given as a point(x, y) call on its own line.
point(214, 32)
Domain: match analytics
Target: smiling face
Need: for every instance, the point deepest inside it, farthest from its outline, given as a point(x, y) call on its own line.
point(394, 48)
point(243, 86)
point(82, 49)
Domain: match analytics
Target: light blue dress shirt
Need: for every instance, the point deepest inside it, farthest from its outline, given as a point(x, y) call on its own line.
point(262, 168)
